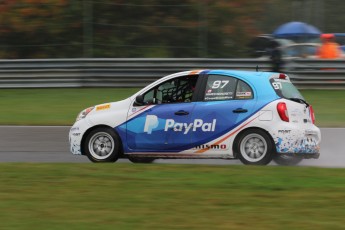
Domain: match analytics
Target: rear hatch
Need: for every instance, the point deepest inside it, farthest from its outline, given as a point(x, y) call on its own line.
point(296, 109)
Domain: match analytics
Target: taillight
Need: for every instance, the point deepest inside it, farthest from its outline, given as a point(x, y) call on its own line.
point(282, 76)
point(312, 114)
point(282, 111)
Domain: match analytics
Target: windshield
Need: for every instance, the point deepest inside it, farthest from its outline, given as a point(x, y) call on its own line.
point(285, 89)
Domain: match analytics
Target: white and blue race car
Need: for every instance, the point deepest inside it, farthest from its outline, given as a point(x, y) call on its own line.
point(252, 116)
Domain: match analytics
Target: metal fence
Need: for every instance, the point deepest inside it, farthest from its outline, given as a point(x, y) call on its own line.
point(128, 72)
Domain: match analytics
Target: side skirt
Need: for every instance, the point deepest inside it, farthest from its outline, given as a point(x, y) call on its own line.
point(178, 156)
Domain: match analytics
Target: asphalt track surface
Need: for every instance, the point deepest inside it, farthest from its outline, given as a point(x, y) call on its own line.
point(50, 144)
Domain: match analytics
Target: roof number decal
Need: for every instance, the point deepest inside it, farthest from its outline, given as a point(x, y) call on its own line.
point(219, 84)
point(277, 85)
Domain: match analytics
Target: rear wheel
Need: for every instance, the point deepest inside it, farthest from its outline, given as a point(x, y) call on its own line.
point(102, 145)
point(254, 147)
point(287, 160)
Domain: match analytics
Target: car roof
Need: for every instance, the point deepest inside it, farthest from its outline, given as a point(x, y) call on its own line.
point(257, 79)
point(242, 74)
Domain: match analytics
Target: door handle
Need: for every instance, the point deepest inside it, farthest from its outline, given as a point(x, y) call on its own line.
point(181, 113)
point(240, 110)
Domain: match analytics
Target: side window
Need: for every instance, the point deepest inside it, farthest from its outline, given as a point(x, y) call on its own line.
point(176, 90)
point(220, 88)
point(243, 91)
point(148, 97)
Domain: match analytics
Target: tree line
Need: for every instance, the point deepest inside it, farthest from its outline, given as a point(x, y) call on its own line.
point(119, 28)
point(135, 28)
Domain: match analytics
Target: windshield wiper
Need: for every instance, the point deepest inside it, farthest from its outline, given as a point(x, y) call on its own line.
point(299, 100)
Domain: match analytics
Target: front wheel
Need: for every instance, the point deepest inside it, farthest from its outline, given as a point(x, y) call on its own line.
point(102, 145)
point(254, 147)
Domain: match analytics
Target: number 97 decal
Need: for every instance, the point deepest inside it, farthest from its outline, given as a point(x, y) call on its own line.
point(219, 84)
point(277, 85)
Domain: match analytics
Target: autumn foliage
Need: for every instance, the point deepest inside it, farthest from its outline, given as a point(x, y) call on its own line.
point(119, 28)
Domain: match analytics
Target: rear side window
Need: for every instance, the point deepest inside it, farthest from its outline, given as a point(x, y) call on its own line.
point(285, 89)
point(243, 91)
point(219, 88)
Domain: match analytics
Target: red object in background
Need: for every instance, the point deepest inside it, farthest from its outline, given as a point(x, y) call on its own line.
point(327, 36)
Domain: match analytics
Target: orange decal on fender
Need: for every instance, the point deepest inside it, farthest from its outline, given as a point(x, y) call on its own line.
point(103, 107)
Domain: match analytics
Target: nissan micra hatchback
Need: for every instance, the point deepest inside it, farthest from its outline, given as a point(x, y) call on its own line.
point(252, 116)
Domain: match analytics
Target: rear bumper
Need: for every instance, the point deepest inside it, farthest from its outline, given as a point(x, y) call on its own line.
point(303, 155)
point(300, 142)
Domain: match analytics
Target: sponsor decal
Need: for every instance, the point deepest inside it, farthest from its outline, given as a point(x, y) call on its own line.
point(74, 129)
point(76, 134)
point(244, 94)
point(103, 107)
point(296, 113)
point(198, 123)
point(229, 135)
point(285, 131)
point(137, 111)
point(215, 147)
point(152, 123)
point(218, 96)
point(310, 132)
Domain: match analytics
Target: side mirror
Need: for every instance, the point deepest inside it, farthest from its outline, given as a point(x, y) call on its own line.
point(139, 100)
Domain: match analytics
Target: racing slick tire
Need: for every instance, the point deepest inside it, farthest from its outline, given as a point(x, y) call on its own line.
point(144, 160)
point(287, 160)
point(102, 145)
point(254, 147)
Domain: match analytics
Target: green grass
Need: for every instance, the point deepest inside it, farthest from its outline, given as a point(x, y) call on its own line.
point(52, 106)
point(61, 106)
point(329, 106)
point(158, 196)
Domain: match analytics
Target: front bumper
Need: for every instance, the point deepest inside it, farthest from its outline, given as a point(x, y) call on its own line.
point(76, 134)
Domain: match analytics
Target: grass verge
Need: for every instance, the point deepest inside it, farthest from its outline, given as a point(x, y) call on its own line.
point(61, 106)
point(158, 196)
point(52, 106)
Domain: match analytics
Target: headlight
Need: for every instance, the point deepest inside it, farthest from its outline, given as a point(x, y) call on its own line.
point(84, 113)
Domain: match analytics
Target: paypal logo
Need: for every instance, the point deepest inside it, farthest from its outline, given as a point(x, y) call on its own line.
point(194, 126)
point(150, 123)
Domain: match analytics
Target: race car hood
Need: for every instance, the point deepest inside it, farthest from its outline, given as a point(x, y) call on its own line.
point(110, 114)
